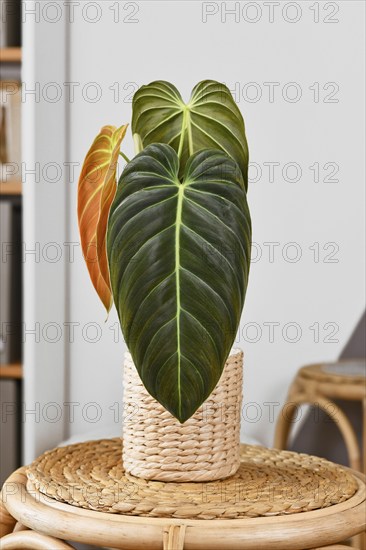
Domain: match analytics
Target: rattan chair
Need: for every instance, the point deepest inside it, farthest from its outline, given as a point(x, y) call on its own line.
point(319, 385)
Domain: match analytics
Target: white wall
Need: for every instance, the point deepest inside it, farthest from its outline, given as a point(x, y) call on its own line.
point(44, 228)
point(170, 41)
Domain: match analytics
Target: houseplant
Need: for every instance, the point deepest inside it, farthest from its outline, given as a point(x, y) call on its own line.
point(171, 242)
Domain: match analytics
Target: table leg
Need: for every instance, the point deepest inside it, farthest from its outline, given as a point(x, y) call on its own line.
point(329, 407)
point(283, 425)
point(173, 537)
point(7, 522)
point(357, 542)
point(30, 539)
point(19, 527)
point(364, 435)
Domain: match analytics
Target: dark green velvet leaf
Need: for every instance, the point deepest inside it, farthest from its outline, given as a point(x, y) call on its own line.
point(179, 253)
point(211, 119)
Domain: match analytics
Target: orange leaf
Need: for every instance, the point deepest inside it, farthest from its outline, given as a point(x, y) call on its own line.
point(96, 191)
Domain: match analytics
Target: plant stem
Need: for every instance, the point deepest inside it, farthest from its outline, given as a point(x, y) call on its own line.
point(124, 156)
point(137, 143)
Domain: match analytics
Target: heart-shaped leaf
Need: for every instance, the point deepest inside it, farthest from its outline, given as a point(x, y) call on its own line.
point(211, 119)
point(96, 191)
point(179, 254)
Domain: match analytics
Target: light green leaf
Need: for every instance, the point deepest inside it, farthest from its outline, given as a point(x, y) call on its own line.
point(211, 119)
point(179, 253)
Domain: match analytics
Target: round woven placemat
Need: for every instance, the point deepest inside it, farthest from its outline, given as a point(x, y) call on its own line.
point(269, 482)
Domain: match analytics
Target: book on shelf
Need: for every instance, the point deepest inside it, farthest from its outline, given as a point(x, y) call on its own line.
point(10, 126)
point(10, 23)
point(10, 281)
point(10, 436)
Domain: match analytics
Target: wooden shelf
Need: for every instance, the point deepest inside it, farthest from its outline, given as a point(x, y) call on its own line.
point(14, 371)
point(12, 187)
point(10, 55)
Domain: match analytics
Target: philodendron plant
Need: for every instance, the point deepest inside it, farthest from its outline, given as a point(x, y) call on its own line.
point(170, 244)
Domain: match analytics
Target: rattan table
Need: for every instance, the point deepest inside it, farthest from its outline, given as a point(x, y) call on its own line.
point(277, 500)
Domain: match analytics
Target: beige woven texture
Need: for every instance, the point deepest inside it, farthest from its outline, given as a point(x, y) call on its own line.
point(206, 447)
point(269, 482)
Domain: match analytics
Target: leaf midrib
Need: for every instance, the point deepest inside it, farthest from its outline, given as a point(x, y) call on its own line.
point(178, 224)
point(186, 130)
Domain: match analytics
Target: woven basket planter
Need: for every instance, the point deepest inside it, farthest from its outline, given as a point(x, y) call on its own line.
point(206, 447)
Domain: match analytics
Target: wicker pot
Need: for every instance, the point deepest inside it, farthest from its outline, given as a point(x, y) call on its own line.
point(204, 448)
